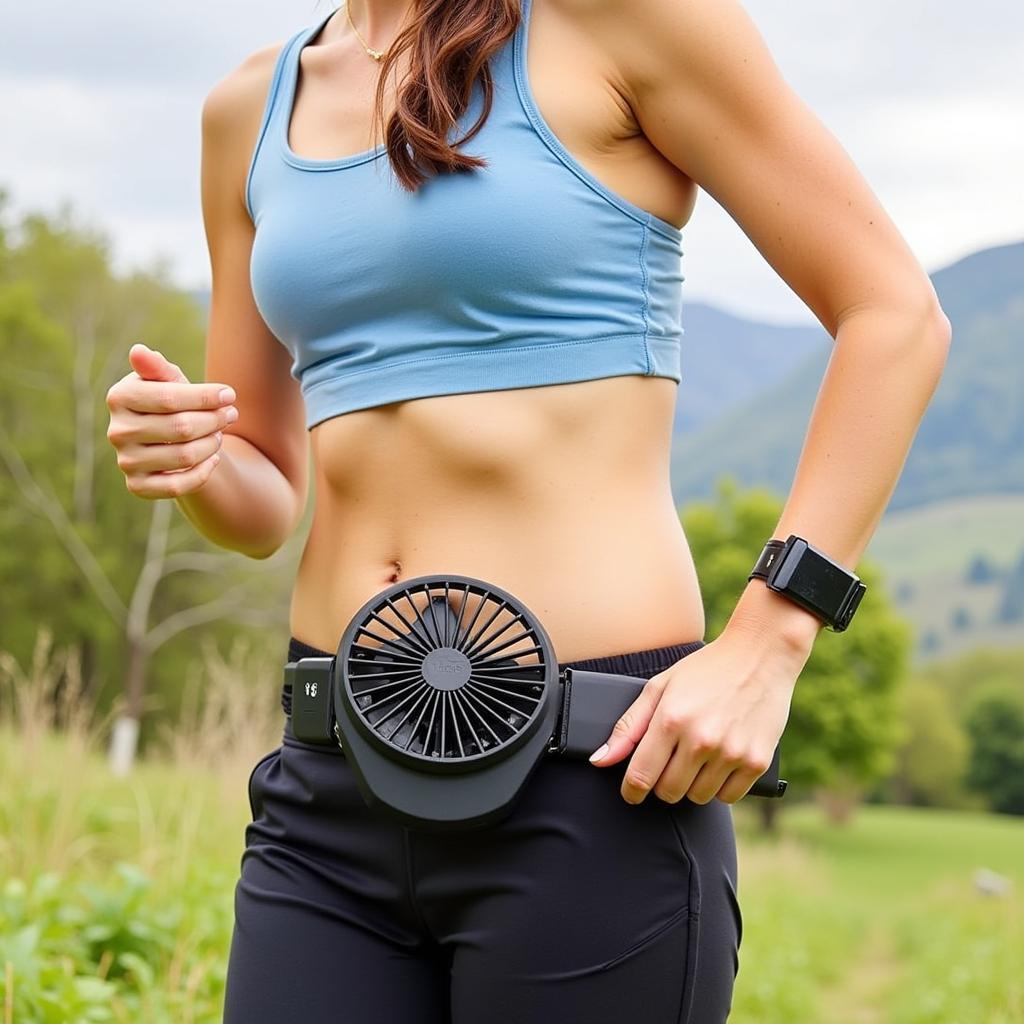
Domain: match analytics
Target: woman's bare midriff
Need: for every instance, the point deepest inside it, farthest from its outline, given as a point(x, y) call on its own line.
point(559, 495)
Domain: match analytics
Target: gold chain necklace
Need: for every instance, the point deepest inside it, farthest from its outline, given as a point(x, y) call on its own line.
point(377, 55)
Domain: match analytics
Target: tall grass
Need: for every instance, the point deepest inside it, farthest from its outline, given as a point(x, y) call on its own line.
point(35, 703)
point(116, 893)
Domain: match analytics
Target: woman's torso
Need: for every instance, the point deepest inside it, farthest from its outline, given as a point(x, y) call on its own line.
point(558, 494)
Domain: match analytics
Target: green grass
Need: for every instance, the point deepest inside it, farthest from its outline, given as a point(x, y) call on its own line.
point(116, 894)
point(127, 917)
point(879, 920)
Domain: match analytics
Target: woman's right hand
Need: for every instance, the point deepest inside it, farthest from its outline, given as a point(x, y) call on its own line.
point(166, 430)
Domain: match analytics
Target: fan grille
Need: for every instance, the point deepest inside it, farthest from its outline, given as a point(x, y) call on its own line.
point(446, 671)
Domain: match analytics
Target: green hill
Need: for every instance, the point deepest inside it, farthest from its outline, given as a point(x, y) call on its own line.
point(971, 440)
point(928, 552)
point(715, 381)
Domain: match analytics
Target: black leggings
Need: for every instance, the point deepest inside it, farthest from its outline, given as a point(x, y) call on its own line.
point(577, 907)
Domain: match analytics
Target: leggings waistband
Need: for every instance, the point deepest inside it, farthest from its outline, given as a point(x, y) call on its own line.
point(642, 664)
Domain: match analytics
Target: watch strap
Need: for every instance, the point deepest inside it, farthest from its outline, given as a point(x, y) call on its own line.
point(769, 553)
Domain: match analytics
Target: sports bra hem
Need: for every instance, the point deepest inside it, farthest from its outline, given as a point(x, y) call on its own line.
point(498, 369)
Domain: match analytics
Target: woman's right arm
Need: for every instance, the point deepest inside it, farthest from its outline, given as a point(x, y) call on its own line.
point(253, 497)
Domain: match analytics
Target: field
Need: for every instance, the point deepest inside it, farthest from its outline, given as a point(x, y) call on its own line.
point(116, 899)
point(879, 920)
point(945, 536)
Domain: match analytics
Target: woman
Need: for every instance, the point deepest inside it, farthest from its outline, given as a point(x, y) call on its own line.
point(479, 337)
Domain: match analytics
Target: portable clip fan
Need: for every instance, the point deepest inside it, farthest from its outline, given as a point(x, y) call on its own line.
point(445, 694)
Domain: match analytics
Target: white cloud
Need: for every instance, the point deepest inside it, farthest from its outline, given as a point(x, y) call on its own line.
point(924, 94)
point(925, 97)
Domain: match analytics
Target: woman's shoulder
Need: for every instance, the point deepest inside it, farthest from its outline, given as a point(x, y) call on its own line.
point(235, 102)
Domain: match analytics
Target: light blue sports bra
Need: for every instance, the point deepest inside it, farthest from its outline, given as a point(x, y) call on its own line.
point(526, 272)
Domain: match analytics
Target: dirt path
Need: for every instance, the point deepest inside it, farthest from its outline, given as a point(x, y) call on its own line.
point(859, 997)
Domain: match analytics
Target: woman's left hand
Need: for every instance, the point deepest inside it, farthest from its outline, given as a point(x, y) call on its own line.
point(708, 725)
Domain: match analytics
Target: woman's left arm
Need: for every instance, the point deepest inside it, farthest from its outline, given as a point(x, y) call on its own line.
point(710, 98)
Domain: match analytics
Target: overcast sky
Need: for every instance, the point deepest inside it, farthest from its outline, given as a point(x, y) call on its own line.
point(102, 105)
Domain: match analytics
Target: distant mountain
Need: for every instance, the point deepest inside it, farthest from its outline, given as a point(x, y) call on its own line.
point(971, 440)
point(728, 360)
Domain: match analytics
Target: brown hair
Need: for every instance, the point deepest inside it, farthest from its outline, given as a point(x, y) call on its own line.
point(451, 42)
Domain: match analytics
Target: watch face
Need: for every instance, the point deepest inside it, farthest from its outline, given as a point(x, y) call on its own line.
point(817, 580)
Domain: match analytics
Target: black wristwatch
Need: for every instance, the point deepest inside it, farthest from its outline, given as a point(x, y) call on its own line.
point(811, 579)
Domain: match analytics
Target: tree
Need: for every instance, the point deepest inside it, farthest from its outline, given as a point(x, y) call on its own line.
point(961, 678)
point(980, 571)
point(81, 555)
point(1011, 605)
point(930, 764)
point(995, 722)
point(960, 618)
point(844, 724)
